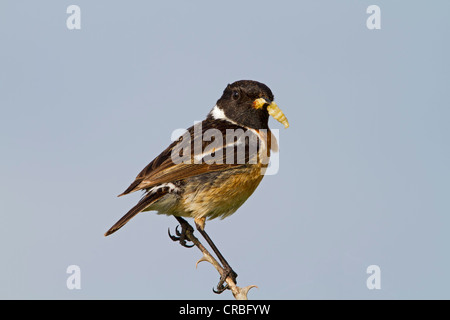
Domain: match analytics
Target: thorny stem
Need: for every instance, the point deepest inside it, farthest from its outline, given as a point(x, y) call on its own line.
point(238, 292)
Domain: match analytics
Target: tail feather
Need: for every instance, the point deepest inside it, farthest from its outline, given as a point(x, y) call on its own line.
point(141, 205)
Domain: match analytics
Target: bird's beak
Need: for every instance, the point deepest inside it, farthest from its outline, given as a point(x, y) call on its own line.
point(273, 110)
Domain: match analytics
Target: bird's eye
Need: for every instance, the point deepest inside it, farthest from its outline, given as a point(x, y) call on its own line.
point(235, 95)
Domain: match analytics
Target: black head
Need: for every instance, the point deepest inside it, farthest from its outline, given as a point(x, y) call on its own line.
point(237, 104)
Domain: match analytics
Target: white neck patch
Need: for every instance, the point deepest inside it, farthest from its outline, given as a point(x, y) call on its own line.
point(218, 114)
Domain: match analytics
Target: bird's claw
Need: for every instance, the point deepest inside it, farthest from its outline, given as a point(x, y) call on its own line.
point(222, 285)
point(181, 236)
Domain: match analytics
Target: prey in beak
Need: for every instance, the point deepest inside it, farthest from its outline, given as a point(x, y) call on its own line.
point(272, 109)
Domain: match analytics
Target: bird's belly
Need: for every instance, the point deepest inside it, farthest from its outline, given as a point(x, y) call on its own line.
point(219, 194)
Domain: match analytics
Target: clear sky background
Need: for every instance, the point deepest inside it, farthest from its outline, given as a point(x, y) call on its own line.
point(364, 167)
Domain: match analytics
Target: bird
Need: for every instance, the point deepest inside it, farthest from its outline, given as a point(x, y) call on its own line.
point(214, 167)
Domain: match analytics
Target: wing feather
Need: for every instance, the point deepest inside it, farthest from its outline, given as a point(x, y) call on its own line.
point(164, 169)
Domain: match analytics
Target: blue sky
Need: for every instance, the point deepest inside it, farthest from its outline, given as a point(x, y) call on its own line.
point(363, 177)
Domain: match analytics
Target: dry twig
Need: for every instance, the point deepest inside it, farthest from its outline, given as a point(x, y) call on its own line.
point(238, 292)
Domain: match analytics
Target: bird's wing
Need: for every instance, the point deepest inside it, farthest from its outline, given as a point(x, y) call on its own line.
point(182, 159)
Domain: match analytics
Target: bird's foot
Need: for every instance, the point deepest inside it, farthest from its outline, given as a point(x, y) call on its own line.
point(222, 285)
point(182, 236)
